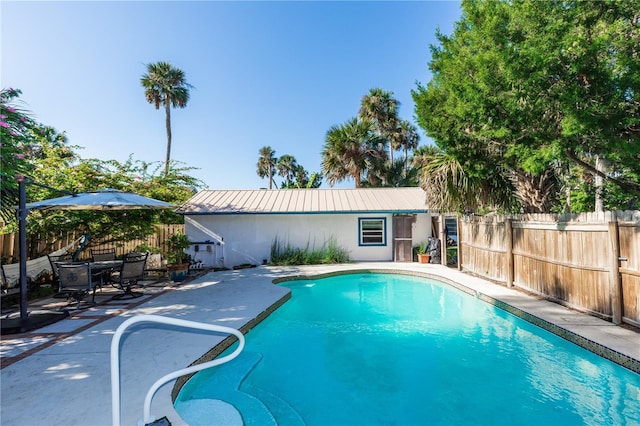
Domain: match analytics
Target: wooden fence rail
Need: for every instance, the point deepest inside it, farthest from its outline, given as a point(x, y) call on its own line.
point(9, 250)
point(588, 261)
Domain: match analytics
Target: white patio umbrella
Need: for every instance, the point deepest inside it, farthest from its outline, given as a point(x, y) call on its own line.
point(107, 199)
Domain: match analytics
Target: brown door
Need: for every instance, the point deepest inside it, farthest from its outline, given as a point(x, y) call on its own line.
point(402, 238)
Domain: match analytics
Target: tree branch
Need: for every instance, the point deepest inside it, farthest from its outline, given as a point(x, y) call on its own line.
point(626, 185)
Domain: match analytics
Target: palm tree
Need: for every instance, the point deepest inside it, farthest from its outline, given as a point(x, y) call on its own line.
point(450, 187)
point(165, 85)
point(381, 108)
point(408, 138)
point(302, 180)
point(267, 164)
point(287, 169)
point(392, 176)
point(351, 150)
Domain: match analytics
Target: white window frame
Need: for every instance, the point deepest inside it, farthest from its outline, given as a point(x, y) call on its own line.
point(371, 233)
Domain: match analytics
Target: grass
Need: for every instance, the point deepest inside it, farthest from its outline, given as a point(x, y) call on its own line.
point(285, 254)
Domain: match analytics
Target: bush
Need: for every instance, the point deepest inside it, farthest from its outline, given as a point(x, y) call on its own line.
point(285, 254)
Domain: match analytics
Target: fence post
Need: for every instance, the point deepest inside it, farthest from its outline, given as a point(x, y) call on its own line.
point(615, 280)
point(508, 230)
point(459, 228)
point(443, 241)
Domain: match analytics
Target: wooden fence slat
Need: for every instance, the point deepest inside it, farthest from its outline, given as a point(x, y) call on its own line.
point(509, 252)
point(616, 281)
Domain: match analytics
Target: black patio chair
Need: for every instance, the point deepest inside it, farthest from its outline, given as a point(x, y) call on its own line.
point(102, 255)
point(131, 271)
point(55, 261)
point(99, 255)
point(76, 284)
point(4, 284)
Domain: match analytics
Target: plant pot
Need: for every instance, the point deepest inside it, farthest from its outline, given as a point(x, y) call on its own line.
point(177, 273)
point(423, 258)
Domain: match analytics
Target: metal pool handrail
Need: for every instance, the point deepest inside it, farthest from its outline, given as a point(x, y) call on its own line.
point(115, 359)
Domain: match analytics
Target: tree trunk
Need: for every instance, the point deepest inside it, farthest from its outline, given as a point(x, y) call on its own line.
point(167, 122)
point(406, 160)
point(599, 184)
point(535, 192)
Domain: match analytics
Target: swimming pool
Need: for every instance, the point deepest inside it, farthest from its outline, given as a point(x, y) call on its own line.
point(362, 349)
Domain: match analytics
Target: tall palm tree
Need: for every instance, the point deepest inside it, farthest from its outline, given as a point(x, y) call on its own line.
point(380, 107)
point(351, 150)
point(165, 85)
point(267, 164)
point(287, 169)
point(408, 138)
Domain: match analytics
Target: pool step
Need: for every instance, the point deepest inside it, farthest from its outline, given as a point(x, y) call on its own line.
point(222, 399)
point(223, 387)
point(283, 413)
point(205, 412)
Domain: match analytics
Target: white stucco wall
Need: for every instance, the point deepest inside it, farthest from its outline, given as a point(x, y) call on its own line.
point(248, 238)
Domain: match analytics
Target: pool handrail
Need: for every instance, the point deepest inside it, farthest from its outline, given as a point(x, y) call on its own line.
point(115, 359)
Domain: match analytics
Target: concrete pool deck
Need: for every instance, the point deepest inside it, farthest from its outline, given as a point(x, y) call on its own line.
point(60, 374)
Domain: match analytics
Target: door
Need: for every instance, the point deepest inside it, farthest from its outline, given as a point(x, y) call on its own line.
point(403, 237)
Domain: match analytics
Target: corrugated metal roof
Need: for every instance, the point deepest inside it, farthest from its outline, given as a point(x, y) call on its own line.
point(279, 201)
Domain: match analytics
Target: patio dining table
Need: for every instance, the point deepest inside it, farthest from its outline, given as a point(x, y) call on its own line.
point(104, 267)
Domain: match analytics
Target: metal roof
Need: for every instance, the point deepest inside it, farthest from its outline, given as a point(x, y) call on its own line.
point(282, 201)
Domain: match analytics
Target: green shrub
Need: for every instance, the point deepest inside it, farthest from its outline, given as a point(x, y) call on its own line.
point(286, 254)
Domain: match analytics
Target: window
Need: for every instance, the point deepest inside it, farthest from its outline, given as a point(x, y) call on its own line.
point(372, 231)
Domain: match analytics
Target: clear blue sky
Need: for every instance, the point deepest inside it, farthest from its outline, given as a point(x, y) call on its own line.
point(264, 73)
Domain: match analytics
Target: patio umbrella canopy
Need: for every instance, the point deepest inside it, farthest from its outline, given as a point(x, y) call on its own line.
point(106, 199)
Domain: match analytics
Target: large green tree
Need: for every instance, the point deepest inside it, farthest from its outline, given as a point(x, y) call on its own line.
point(527, 88)
point(59, 167)
point(353, 150)
point(167, 86)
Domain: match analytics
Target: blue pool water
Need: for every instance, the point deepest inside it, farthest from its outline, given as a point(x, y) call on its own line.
point(368, 349)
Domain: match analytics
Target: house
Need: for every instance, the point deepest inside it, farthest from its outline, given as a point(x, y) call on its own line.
point(234, 227)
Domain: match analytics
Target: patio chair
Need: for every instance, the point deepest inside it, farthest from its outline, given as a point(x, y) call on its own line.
point(4, 284)
point(131, 271)
point(55, 261)
point(75, 282)
point(99, 255)
point(102, 255)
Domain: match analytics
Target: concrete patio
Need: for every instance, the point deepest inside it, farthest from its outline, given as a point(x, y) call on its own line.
point(60, 374)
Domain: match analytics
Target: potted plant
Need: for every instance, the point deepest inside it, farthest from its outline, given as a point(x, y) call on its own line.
point(423, 256)
point(177, 257)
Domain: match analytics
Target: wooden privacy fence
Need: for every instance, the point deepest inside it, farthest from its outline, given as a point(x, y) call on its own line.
point(589, 261)
point(9, 250)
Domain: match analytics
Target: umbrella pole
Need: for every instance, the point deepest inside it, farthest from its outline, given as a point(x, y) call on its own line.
point(22, 230)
